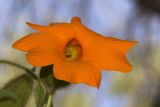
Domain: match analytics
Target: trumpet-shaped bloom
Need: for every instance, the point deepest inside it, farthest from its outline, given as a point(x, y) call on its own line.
point(78, 53)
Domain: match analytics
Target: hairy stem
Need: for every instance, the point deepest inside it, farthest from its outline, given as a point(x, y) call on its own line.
point(19, 66)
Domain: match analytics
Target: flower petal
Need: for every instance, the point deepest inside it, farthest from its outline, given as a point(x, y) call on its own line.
point(106, 52)
point(62, 30)
point(38, 27)
point(78, 72)
point(43, 49)
point(83, 34)
point(110, 53)
point(36, 40)
point(44, 56)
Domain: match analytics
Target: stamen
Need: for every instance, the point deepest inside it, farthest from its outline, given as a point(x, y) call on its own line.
point(73, 50)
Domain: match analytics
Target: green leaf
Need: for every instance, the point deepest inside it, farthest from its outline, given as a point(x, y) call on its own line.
point(40, 96)
point(6, 95)
point(21, 89)
point(47, 77)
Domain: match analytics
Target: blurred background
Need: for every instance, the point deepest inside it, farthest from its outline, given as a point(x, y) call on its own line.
point(125, 19)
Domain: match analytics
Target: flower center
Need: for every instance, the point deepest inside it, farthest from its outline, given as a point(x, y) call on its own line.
point(73, 50)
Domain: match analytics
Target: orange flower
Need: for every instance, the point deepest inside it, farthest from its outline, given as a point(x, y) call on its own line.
point(78, 53)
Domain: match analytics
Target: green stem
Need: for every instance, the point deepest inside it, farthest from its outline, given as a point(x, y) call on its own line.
point(49, 101)
point(19, 66)
point(29, 71)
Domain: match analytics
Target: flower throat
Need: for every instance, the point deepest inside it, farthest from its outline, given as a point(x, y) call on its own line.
point(73, 50)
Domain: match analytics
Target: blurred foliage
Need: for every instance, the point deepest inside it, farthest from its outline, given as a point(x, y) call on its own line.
point(21, 89)
point(6, 95)
point(151, 6)
point(124, 84)
point(46, 74)
point(51, 84)
point(76, 100)
point(40, 96)
point(156, 61)
point(18, 90)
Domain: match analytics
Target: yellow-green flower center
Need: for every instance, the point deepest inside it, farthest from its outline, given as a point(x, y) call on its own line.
point(73, 50)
